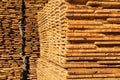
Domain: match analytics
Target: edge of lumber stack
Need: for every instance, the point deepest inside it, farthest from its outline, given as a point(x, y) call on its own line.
point(32, 48)
point(80, 39)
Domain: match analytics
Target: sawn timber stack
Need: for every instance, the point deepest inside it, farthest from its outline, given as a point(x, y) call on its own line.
point(80, 40)
point(11, 43)
point(10, 40)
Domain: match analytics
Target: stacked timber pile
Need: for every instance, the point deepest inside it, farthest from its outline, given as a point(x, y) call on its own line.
point(80, 40)
point(10, 40)
point(32, 48)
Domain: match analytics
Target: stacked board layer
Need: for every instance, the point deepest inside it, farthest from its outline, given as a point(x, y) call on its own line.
point(10, 40)
point(80, 40)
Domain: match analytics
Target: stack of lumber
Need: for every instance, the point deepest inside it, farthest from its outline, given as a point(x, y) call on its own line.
point(80, 40)
point(10, 40)
point(32, 49)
